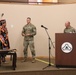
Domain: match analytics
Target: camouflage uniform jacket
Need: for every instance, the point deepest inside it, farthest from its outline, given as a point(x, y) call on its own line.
point(69, 30)
point(29, 29)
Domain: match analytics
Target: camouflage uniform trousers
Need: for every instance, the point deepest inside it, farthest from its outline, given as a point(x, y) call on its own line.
point(31, 45)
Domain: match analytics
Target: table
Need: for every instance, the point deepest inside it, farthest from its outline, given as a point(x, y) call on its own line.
point(11, 52)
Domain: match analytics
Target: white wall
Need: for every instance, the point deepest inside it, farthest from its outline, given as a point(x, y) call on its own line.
point(53, 17)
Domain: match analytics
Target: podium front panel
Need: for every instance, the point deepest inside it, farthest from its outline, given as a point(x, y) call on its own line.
point(65, 46)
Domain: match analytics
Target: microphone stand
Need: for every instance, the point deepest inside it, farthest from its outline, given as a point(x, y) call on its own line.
point(49, 40)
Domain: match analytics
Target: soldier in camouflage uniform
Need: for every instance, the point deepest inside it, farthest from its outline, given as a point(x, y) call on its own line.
point(29, 31)
point(68, 28)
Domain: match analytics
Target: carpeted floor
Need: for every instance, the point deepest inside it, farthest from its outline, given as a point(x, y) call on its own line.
point(29, 68)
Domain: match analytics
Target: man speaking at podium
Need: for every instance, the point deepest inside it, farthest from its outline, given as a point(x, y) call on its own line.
point(69, 28)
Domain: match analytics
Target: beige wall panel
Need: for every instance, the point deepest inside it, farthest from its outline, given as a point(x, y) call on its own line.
point(53, 17)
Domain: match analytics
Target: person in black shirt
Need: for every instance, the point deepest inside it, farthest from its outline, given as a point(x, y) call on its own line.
point(4, 33)
point(2, 43)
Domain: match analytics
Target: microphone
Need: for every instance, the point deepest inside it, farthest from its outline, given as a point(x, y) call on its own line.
point(44, 27)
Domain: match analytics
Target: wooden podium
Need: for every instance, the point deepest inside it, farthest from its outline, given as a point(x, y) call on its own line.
point(65, 46)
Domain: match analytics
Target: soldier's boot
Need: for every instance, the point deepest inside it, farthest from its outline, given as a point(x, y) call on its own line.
point(24, 60)
point(33, 60)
